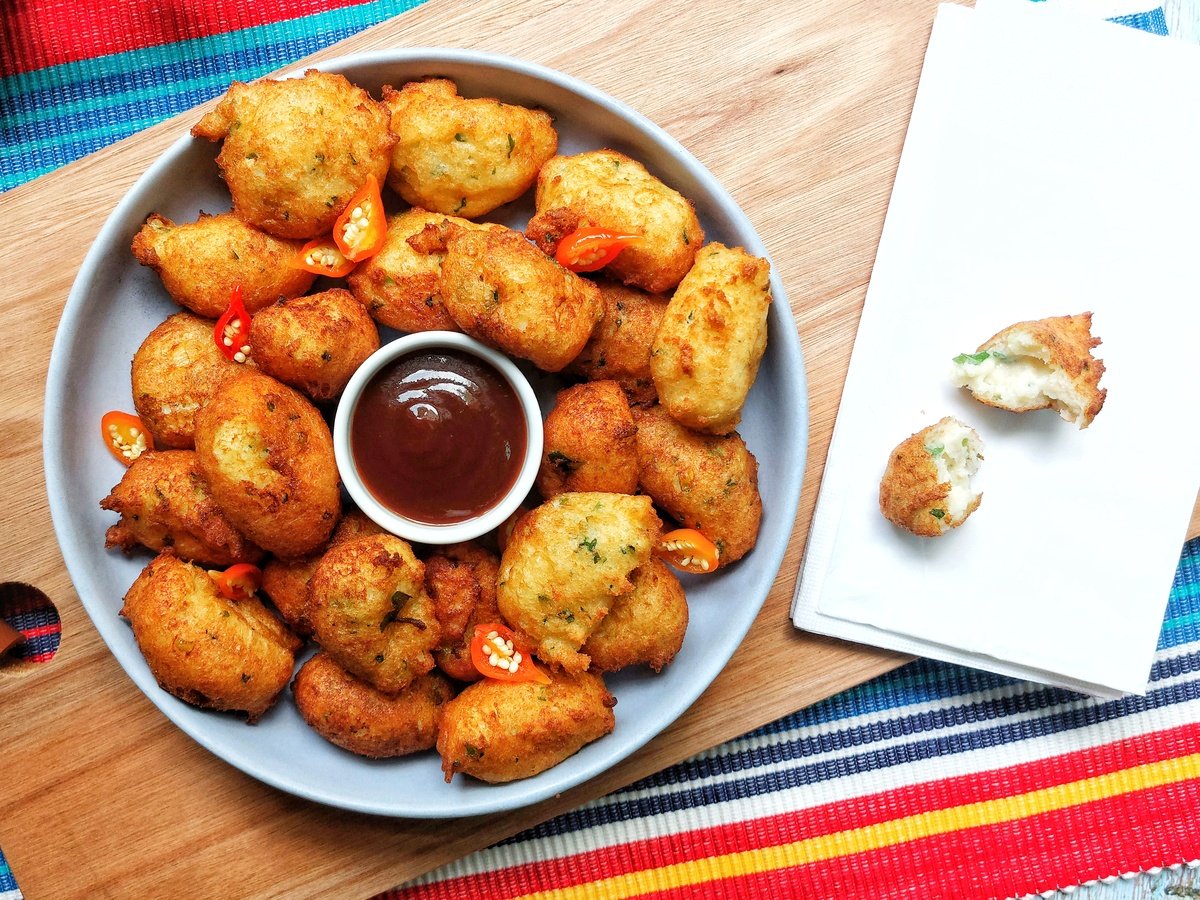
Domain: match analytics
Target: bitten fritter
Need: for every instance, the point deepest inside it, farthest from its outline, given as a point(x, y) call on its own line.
point(501, 290)
point(1043, 364)
point(204, 649)
point(314, 343)
point(566, 563)
point(268, 458)
point(606, 189)
point(620, 345)
point(706, 482)
point(369, 611)
point(589, 442)
point(175, 371)
point(461, 156)
point(646, 626)
point(296, 150)
point(706, 353)
point(164, 501)
point(201, 262)
point(926, 488)
point(499, 731)
point(285, 581)
point(461, 581)
point(348, 712)
point(400, 287)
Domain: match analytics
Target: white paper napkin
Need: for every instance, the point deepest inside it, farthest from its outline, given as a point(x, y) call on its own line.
point(1052, 166)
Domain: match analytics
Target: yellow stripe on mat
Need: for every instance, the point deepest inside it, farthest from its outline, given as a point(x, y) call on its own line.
point(883, 834)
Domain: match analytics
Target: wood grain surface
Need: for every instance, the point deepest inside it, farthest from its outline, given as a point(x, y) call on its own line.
point(799, 109)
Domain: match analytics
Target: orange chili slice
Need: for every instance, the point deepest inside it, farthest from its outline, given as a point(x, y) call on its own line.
point(232, 331)
point(238, 582)
point(497, 654)
point(125, 436)
point(689, 551)
point(360, 230)
point(591, 249)
point(322, 256)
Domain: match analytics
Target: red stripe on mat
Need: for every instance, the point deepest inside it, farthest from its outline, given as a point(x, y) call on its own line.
point(42, 630)
point(51, 32)
point(828, 818)
point(1049, 850)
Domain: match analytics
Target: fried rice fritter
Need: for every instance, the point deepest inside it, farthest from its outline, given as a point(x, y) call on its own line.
point(1043, 364)
point(500, 731)
point(296, 150)
point(463, 157)
point(589, 442)
point(926, 487)
point(201, 262)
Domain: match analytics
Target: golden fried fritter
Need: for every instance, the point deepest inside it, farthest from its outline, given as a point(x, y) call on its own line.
point(204, 649)
point(1044, 364)
point(369, 611)
point(314, 343)
point(164, 501)
point(201, 262)
point(646, 626)
point(501, 290)
point(620, 345)
point(460, 156)
point(400, 287)
point(706, 482)
point(268, 458)
point(285, 581)
point(175, 371)
point(295, 151)
point(461, 581)
point(706, 353)
point(500, 731)
point(926, 487)
point(589, 442)
point(565, 565)
point(606, 189)
point(348, 712)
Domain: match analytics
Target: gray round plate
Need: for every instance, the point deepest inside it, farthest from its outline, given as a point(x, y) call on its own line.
point(114, 304)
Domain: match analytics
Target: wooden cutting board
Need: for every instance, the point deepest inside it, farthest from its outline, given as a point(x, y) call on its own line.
point(798, 108)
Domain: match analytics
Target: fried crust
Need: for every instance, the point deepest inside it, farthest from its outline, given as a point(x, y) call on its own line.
point(268, 457)
point(348, 712)
point(706, 482)
point(706, 351)
point(164, 501)
point(296, 150)
point(314, 343)
point(589, 442)
point(607, 189)
point(204, 649)
point(463, 156)
point(370, 612)
point(201, 262)
point(499, 731)
point(645, 627)
point(912, 491)
point(461, 579)
point(619, 348)
point(566, 563)
point(175, 372)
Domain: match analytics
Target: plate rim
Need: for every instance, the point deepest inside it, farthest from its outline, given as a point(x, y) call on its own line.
point(784, 339)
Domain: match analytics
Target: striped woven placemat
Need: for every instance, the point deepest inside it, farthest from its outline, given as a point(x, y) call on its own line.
point(931, 781)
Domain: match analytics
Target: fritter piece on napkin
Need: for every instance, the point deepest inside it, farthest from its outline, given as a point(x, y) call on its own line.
point(1041, 364)
point(926, 488)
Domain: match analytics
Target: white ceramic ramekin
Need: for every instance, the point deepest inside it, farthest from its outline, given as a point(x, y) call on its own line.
point(420, 531)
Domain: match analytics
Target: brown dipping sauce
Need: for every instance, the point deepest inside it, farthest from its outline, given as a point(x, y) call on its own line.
point(438, 436)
